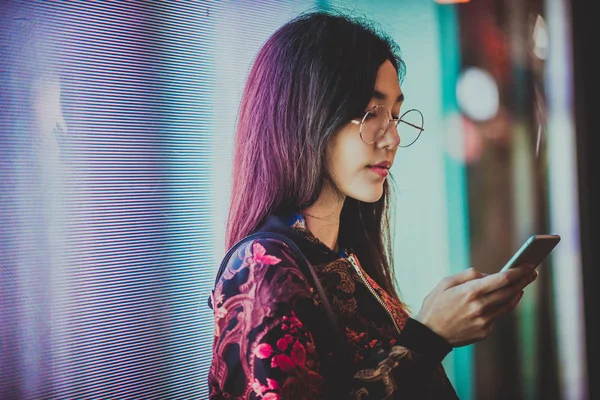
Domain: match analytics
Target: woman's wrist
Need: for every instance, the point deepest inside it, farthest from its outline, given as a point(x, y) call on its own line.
point(420, 338)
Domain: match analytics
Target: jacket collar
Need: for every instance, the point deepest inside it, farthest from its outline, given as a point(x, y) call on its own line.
point(315, 250)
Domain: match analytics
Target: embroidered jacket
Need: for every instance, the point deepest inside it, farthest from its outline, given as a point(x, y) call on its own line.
point(270, 330)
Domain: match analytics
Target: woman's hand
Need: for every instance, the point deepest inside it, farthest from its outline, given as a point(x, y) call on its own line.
point(462, 307)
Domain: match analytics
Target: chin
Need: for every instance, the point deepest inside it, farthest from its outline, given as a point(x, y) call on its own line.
point(368, 196)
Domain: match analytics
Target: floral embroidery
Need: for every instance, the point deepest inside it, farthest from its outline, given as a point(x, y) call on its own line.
point(281, 360)
point(354, 337)
point(259, 255)
point(290, 355)
point(383, 371)
point(263, 351)
point(258, 388)
point(264, 343)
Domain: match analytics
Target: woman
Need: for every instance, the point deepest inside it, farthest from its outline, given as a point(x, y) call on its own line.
point(318, 130)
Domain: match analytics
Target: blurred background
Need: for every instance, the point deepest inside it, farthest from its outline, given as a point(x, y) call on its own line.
point(116, 135)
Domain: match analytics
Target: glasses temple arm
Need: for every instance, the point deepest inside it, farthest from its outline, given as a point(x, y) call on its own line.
point(414, 126)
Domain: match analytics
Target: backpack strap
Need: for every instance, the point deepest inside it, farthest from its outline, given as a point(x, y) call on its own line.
point(305, 267)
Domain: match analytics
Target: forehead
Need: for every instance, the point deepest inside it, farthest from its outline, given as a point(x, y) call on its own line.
point(386, 81)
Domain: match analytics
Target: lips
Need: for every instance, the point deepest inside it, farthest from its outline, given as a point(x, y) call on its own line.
point(382, 172)
point(383, 164)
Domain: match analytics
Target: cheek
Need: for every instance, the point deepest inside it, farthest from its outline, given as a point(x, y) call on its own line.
point(349, 167)
point(356, 155)
point(347, 154)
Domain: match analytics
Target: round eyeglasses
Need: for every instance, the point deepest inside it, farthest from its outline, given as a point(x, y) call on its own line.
point(376, 121)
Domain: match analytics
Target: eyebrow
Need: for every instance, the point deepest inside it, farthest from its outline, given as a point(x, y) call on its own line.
point(381, 96)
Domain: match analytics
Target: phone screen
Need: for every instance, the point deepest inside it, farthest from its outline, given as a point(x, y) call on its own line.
point(534, 251)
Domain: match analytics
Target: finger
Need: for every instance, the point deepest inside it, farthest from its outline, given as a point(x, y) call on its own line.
point(498, 280)
point(505, 308)
point(506, 293)
point(526, 268)
point(526, 265)
point(532, 277)
point(462, 277)
point(515, 301)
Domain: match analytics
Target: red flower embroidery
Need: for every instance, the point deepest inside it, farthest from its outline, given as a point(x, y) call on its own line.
point(284, 362)
point(263, 350)
point(271, 396)
point(293, 321)
point(258, 388)
point(220, 312)
point(315, 379)
point(299, 354)
point(259, 254)
point(353, 336)
point(284, 342)
point(273, 385)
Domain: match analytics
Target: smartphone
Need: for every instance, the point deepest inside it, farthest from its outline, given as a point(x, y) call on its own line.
point(534, 251)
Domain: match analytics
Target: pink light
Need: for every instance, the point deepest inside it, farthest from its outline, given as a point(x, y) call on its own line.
point(451, 1)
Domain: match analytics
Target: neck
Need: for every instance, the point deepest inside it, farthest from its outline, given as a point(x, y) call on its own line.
point(323, 217)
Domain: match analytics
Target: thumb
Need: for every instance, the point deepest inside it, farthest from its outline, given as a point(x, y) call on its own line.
point(462, 277)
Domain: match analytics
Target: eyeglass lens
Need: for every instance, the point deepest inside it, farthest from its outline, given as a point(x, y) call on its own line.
point(376, 122)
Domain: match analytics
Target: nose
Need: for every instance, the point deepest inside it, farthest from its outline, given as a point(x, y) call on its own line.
point(391, 137)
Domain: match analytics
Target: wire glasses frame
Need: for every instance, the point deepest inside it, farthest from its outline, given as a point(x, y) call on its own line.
point(375, 124)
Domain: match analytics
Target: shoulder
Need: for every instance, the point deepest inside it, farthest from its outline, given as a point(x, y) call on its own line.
point(260, 259)
point(269, 251)
point(264, 251)
point(260, 272)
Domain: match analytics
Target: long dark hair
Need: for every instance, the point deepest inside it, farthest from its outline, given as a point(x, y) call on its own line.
point(311, 77)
